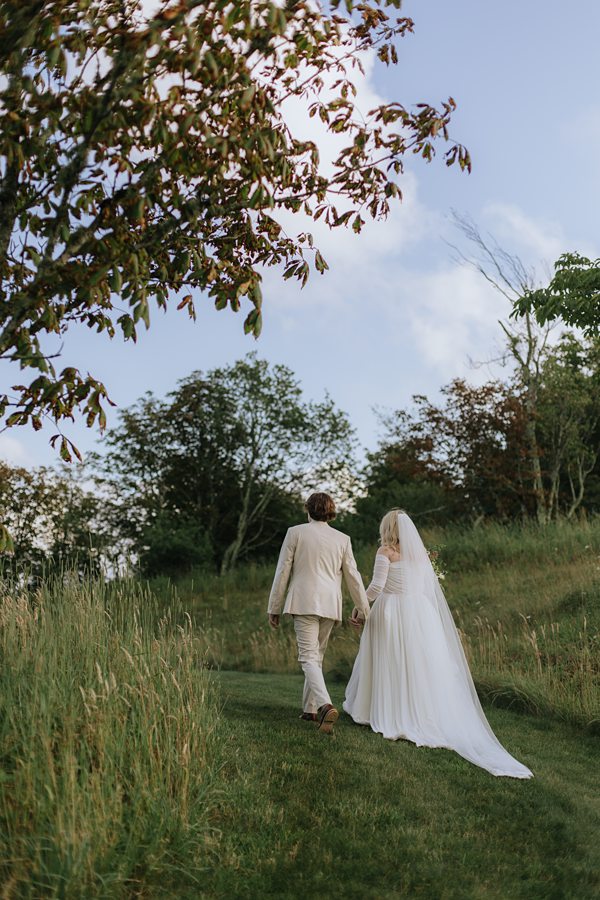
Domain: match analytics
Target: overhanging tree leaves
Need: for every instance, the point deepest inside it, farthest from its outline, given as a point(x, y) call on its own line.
point(143, 157)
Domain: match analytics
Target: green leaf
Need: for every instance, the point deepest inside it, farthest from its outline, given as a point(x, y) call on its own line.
point(99, 274)
point(138, 209)
point(6, 541)
point(343, 219)
point(128, 326)
point(211, 63)
point(53, 55)
point(116, 281)
point(141, 311)
point(320, 263)
point(250, 321)
point(33, 255)
point(65, 453)
point(247, 96)
point(255, 294)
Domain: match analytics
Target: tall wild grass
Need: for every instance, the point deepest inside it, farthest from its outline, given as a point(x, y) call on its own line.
point(109, 747)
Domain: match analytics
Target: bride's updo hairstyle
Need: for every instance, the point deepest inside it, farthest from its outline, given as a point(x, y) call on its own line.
point(388, 529)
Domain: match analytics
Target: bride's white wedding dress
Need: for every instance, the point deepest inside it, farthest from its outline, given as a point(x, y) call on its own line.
point(411, 678)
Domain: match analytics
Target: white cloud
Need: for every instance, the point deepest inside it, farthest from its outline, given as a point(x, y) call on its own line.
point(537, 241)
point(453, 316)
point(13, 452)
point(444, 315)
point(356, 261)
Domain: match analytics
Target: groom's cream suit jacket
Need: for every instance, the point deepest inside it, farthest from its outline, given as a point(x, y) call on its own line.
point(313, 558)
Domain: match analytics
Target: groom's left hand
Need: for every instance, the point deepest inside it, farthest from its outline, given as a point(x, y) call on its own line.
point(273, 621)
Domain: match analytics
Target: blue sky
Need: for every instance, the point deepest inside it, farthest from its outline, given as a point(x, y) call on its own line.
point(396, 315)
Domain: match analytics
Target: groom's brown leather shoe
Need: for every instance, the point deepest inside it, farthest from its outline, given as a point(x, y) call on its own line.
point(309, 717)
point(328, 716)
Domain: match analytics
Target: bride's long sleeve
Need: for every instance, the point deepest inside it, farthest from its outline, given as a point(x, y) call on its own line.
point(380, 574)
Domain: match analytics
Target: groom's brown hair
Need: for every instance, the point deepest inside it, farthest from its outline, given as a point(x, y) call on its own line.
point(320, 507)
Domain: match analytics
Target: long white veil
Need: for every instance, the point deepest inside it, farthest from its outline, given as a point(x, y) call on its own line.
point(452, 695)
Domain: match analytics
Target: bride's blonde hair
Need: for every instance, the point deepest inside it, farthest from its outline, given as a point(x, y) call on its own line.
point(388, 529)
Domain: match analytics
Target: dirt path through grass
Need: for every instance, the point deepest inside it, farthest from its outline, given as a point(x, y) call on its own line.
point(360, 817)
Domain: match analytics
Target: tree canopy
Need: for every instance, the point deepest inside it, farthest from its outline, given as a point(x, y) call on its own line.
point(469, 455)
point(144, 156)
point(572, 295)
point(216, 471)
point(55, 523)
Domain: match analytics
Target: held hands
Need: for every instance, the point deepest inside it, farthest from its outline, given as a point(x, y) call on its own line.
point(357, 620)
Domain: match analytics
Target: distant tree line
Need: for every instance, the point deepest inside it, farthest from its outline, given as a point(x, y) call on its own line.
point(215, 472)
point(204, 478)
point(504, 450)
point(55, 521)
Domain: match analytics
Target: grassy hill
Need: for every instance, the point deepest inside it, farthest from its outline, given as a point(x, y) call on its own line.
point(135, 762)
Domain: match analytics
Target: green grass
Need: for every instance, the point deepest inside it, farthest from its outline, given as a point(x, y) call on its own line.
point(126, 769)
point(356, 816)
point(494, 544)
point(108, 745)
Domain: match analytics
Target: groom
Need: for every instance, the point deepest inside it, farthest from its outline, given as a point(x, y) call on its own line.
point(313, 558)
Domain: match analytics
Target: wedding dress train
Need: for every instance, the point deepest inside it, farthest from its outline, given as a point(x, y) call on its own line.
point(411, 678)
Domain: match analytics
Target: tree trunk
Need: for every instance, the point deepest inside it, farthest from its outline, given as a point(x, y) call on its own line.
point(247, 516)
point(232, 552)
point(533, 452)
point(578, 494)
point(552, 507)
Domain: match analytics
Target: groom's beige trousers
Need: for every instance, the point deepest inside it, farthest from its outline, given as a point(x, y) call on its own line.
point(312, 634)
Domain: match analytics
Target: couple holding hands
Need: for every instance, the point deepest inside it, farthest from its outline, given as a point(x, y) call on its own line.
point(410, 678)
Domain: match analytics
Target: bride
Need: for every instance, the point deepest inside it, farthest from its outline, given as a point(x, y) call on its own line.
point(411, 679)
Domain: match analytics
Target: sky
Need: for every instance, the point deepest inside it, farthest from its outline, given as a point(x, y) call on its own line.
point(397, 314)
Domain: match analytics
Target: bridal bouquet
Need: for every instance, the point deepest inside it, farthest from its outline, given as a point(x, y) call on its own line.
point(434, 558)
